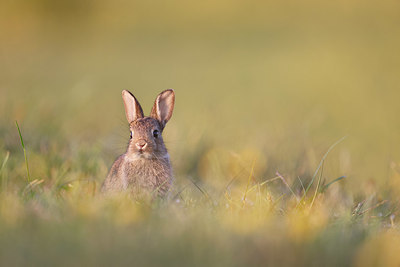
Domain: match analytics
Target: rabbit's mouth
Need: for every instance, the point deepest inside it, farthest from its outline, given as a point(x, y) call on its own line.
point(143, 151)
point(139, 156)
point(144, 154)
point(140, 153)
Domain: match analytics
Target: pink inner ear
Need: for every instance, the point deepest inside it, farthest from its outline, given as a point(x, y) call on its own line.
point(165, 105)
point(133, 110)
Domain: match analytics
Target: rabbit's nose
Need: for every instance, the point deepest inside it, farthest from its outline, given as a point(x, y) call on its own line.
point(141, 144)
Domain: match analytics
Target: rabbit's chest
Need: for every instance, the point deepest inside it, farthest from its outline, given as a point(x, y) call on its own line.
point(146, 174)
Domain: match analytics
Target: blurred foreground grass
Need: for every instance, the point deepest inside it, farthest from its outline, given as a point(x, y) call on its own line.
point(263, 90)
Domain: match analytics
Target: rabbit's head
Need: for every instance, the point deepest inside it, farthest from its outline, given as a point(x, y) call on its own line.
point(146, 132)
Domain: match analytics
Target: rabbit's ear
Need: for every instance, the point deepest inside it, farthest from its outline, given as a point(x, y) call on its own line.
point(163, 107)
point(133, 110)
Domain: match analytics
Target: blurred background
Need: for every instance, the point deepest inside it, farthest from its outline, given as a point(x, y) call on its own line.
point(273, 83)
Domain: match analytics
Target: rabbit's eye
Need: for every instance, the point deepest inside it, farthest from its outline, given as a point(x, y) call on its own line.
point(131, 134)
point(156, 133)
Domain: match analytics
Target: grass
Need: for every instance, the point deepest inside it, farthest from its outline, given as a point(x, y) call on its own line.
point(23, 147)
point(264, 93)
point(66, 222)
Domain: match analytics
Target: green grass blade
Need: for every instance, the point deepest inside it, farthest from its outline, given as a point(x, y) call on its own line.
point(23, 147)
point(330, 183)
point(320, 165)
point(204, 192)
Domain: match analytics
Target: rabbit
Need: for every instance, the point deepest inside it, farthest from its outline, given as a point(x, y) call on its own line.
point(145, 168)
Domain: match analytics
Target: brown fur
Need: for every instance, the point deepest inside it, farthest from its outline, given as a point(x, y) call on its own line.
point(144, 170)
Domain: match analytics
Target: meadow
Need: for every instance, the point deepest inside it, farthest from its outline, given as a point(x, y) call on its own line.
point(284, 138)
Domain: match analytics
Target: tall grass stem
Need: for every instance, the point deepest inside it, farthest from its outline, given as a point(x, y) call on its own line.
point(3, 165)
point(319, 167)
point(23, 147)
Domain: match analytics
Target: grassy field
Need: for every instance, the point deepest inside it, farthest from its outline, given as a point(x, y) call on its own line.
point(284, 139)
